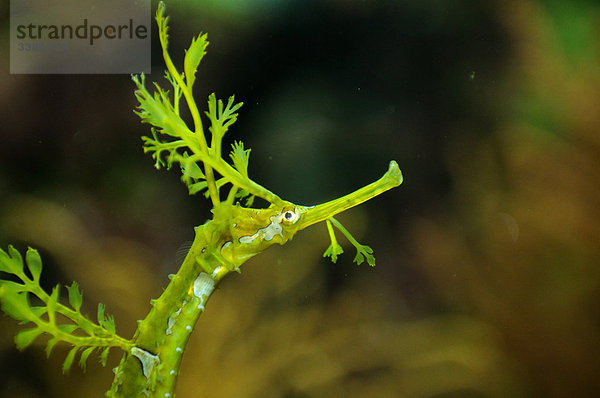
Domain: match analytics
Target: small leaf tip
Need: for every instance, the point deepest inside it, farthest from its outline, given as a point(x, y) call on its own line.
point(394, 173)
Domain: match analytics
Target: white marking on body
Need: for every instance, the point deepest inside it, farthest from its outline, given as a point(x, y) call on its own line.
point(188, 328)
point(148, 360)
point(178, 349)
point(266, 233)
point(172, 319)
point(203, 287)
point(172, 372)
point(216, 271)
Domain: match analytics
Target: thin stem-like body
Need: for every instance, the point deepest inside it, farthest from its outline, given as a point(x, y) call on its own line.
point(163, 335)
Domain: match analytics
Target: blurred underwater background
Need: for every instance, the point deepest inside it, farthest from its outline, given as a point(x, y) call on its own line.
point(487, 281)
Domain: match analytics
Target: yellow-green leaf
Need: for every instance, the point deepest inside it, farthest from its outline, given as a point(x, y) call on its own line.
point(50, 345)
point(34, 262)
point(240, 158)
point(75, 296)
point(84, 356)
point(193, 56)
point(104, 356)
point(25, 337)
point(69, 359)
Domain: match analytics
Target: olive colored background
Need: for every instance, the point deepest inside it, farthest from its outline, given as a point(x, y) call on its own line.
point(487, 277)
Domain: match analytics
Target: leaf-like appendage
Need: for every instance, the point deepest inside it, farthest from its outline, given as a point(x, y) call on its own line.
point(240, 158)
point(109, 324)
point(191, 174)
point(11, 262)
point(25, 337)
point(333, 251)
point(84, 356)
point(101, 309)
point(69, 359)
point(190, 169)
point(105, 320)
point(75, 296)
point(104, 356)
point(158, 110)
point(362, 251)
point(197, 187)
point(163, 24)
point(162, 112)
point(52, 304)
point(193, 56)
point(50, 345)
point(241, 194)
point(34, 263)
point(15, 303)
point(221, 118)
point(157, 147)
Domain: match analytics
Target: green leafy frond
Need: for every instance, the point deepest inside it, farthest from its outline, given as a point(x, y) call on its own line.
point(193, 56)
point(75, 296)
point(240, 157)
point(104, 356)
point(172, 140)
point(14, 298)
point(163, 25)
point(192, 175)
point(158, 110)
point(221, 118)
point(362, 251)
point(69, 359)
point(155, 146)
point(190, 171)
point(249, 198)
point(84, 356)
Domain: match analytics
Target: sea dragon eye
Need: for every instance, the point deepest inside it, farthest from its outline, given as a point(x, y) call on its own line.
point(290, 216)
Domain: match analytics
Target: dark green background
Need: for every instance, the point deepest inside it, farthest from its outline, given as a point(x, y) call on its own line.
point(487, 277)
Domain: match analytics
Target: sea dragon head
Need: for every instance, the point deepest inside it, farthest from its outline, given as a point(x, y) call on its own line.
point(246, 232)
point(238, 231)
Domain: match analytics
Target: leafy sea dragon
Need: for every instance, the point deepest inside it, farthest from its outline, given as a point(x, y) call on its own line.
point(236, 233)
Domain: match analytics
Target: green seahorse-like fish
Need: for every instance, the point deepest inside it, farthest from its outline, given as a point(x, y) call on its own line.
point(235, 233)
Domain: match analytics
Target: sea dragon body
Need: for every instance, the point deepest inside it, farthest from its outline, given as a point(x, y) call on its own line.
point(223, 244)
point(236, 233)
